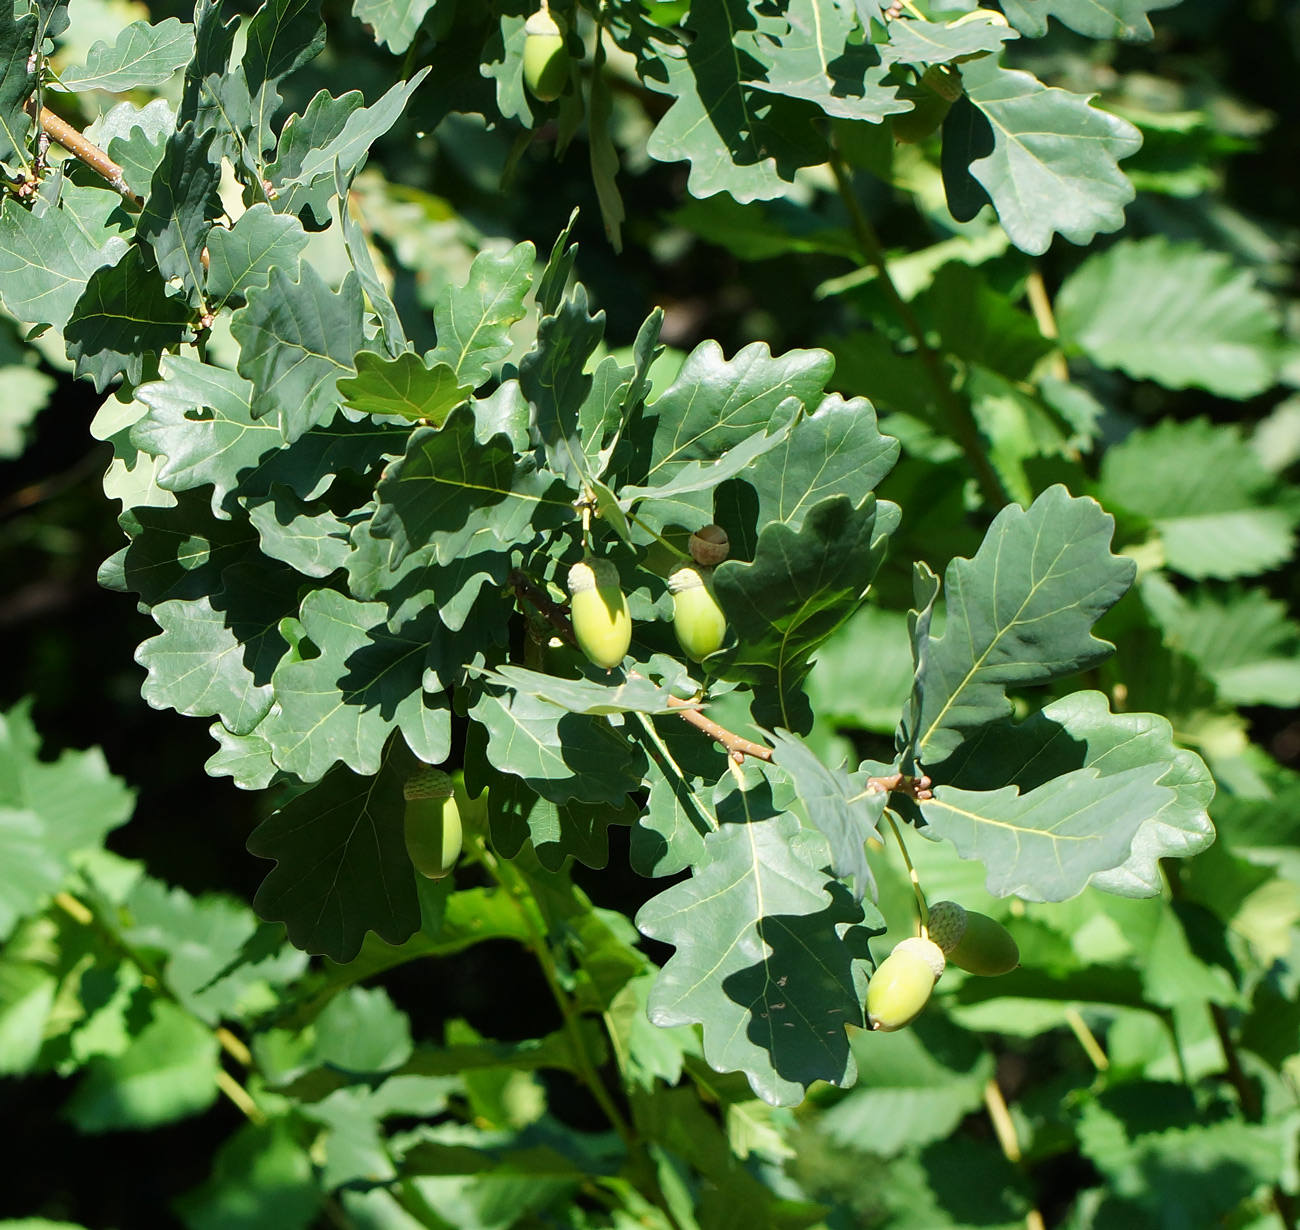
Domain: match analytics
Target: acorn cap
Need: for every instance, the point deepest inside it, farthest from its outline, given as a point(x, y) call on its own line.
point(542, 22)
point(428, 784)
point(686, 577)
point(710, 545)
point(947, 924)
point(927, 950)
point(592, 573)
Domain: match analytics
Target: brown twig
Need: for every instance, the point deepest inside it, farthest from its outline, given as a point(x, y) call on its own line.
point(64, 134)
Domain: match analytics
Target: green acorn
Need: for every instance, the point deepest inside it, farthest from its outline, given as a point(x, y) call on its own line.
point(902, 983)
point(431, 823)
point(546, 58)
point(973, 942)
point(601, 622)
point(698, 620)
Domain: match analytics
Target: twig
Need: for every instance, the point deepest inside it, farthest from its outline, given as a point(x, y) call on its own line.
point(737, 746)
point(1041, 306)
point(960, 419)
point(1004, 1127)
point(64, 134)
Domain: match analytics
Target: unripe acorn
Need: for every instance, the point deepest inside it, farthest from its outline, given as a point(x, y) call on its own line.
point(902, 983)
point(698, 620)
point(431, 823)
point(546, 59)
point(710, 546)
point(973, 942)
point(601, 622)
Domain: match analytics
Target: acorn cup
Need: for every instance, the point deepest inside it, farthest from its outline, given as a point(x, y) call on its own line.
point(546, 58)
point(598, 610)
point(971, 941)
point(431, 823)
point(709, 546)
point(698, 620)
point(902, 983)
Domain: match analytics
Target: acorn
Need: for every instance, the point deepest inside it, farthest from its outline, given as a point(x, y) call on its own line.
point(709, 546)
point(601, 622)
point(546, 58)
point(431, 823)
point(902, 983)
point(698, 620)
point(971, 941)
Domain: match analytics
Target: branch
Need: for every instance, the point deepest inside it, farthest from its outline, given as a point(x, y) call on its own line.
point(64, 134)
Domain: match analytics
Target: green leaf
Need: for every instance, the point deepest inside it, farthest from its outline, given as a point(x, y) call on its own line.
point(802, 585)
point(1080, 732)
point(594, 696)
point(835, 450)
point(17, 80)
point(341, 862)
point(405, 385)
point(1174, 313)
point(914, 1087)
point(738, 138)
point(203, 939)
point(553, 377)
point(321, 123)
point(473, 321)
point(181, 205)
point(124, 315)
point(1054, 164)
point(283, 35)
point(143, 55)
point(242, 257)
point(216, 654)
point(362, 1032)
point(245, 758)
point(343, 704)
point(931, 42)
point(1244, 641)
point(604, 154)
point(716, 403)
point(979, 325)
point(140, 149)
point(313, 543)
point(863, 675)
point(808, 53)
point(1201, 485)
point(47, 258)
point(49, 812)
point(1019, 614)
point(395, 22)
point(261, 1180)
point(839, 804)
point(1046, 843)
point(452, 491)
point(759, 961)
point(1123, 19)
point(1145, 1139)
point(559, 755)
point(303, 161)
point(296, 339)
point(167, 1073)
point(669, 835)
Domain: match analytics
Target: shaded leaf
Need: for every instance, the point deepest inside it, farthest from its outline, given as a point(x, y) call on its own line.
point(404, 385)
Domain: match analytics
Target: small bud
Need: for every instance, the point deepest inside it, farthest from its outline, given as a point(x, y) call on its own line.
point(601, 622)
point(432, 823)
point(710, 546)
point(902, 983)
point(973, 942)
point(698, 620)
